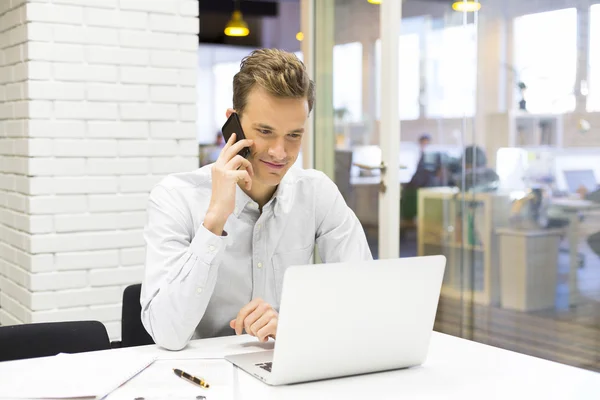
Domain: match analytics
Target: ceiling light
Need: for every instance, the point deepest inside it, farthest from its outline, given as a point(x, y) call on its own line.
point(299, 36)
point(466, 6)
point(236, 25)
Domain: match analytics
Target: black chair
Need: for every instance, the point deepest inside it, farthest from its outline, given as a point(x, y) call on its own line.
point(48, 339)
point(133, 332)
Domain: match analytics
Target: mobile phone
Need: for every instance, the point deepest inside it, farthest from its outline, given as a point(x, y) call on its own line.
point(233, 125)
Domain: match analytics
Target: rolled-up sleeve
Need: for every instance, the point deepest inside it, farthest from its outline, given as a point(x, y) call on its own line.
point(181, 270)
point(340, 236)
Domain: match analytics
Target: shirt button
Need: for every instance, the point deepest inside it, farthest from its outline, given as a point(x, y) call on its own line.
point(211, 248)
point(199, 290)
point(258, 226)
point(235, 210)
point(259, 265)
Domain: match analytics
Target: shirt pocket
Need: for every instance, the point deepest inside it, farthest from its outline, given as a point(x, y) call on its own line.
point(284, 260)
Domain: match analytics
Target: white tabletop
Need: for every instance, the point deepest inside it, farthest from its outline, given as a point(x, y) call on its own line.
point(455, 369)
point(567, 203)
point(374, 180)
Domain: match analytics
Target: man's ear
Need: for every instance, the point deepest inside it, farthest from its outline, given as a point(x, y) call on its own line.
point(229, 112)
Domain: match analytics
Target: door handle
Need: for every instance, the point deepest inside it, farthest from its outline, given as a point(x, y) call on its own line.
point(382, 167)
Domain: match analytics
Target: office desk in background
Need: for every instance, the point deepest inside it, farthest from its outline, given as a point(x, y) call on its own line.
point(573, 208)
point(363, 198)
point(455, 369)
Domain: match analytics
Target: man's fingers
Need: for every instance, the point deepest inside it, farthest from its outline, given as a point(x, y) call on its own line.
point(251, 319)
point(235, 148)
point(228, 144)
point(263, 318)
point(238, 161)
point(244, 312)
point(263, 311)
point(269, 330)
point(242, 175)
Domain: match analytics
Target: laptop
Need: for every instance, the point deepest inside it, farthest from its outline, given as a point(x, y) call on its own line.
point(350, 318)
point(582, 177)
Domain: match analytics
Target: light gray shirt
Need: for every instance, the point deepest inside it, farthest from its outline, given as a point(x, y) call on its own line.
point(195, 282)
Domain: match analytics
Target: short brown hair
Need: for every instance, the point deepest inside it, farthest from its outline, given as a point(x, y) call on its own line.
point(280, 73)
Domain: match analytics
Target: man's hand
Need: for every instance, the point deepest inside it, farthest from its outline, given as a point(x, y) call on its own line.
point(228, 170)
point(258, 318)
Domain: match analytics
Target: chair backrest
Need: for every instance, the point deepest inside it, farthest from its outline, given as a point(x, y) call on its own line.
point(48, 339)
point(133, 332)
point(343, 165)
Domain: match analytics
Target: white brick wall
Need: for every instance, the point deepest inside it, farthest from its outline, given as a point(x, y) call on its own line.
point(14, 281)
point(97, 104)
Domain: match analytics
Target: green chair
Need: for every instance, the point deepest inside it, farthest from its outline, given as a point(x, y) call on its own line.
point(408, 211)
point(408, 204)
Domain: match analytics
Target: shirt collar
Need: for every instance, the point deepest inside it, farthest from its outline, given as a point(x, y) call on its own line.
point(241, 200)
point(285, 193)
point(280, 202)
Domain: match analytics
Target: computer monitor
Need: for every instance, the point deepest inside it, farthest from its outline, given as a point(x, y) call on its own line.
point(432, 160)
point(575, 179)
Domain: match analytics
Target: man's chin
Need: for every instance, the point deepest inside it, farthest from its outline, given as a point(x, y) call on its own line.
point(269, 179)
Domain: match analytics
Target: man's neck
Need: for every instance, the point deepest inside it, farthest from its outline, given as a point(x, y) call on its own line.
point(260, 193)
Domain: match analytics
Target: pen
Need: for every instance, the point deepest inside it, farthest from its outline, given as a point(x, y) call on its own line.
point(193, 379)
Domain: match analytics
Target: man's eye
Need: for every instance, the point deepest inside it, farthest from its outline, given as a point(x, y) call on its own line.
point(265, 131)
point(294, 136)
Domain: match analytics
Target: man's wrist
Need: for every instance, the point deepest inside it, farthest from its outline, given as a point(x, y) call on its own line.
point(214, 222)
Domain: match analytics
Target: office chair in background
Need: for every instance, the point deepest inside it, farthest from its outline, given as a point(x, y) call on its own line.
point(343, 165)
point(133, 332)
point(48, 339)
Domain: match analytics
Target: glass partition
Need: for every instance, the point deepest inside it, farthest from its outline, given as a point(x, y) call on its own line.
point(500, 161)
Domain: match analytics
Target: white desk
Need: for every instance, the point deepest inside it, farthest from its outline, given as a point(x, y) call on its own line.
point(455, 369)
point(572, 207)
point(373, 180)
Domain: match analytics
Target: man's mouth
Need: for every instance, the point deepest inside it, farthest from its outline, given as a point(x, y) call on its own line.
point(273, 165)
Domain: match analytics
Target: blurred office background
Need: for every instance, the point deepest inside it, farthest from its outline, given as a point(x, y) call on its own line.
point(100, 99)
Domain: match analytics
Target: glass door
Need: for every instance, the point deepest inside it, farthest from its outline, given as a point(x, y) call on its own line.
point(356, 127)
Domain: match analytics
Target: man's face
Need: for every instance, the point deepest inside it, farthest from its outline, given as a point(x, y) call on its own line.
point(423, 143)
point(276, 125)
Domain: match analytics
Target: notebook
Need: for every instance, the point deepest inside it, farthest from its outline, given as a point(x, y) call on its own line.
point(64, 376)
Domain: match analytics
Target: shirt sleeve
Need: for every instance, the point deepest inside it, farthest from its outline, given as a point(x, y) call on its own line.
point(180, 273)
point(340, 236)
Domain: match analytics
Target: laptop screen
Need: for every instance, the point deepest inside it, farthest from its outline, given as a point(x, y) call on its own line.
point(578, 178)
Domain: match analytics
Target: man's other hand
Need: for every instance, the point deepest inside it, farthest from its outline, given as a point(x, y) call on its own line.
point(258, 319)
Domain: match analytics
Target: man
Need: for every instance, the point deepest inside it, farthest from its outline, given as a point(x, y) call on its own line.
point(219, 239)
point(424, 141)
point(423, 176)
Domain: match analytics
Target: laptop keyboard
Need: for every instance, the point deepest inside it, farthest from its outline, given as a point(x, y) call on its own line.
point(266, 366)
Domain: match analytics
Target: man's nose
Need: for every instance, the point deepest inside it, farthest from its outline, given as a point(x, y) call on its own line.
point(277, 149)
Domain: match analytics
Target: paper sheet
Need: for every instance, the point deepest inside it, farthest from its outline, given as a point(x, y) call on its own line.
point(159, 381)
point(70, 375)
point(214, 348)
